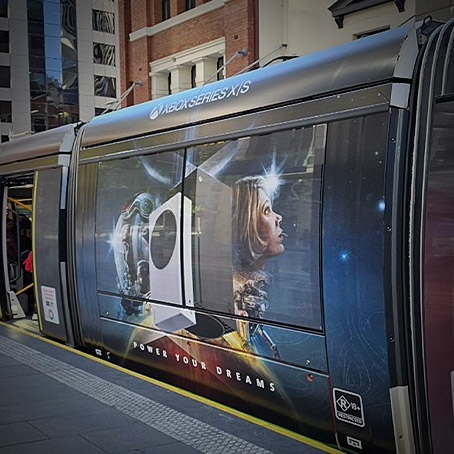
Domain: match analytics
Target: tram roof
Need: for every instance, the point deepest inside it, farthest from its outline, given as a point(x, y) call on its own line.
point(372, 60)
point(46, 143)
point(378, 58)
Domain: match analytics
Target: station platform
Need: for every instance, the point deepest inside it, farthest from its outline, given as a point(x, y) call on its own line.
point(54, 399)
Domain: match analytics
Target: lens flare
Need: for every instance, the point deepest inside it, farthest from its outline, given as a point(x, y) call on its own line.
point(272, 177)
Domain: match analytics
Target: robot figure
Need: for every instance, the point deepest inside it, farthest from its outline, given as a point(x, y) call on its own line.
point(131, 250)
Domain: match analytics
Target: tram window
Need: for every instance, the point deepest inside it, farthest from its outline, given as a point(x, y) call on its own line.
point(255, 228)
point(129, 191)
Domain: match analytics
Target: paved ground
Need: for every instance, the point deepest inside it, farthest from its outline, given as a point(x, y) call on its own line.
point(56, 401)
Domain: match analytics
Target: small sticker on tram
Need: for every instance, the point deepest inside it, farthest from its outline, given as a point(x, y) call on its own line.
point(354, 442)
point(348, 407)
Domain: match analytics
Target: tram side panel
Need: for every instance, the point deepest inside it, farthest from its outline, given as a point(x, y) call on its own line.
point(221, 325)
point(353, 282)
point(84, 222)
point(243, 321)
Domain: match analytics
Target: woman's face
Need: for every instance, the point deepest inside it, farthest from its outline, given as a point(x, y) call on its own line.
point(269, 226)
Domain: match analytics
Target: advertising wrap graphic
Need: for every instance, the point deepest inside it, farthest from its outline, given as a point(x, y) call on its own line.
point(209, 259)
point(204, 98)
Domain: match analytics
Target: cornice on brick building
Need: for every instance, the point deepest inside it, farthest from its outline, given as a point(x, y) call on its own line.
point(177, 20)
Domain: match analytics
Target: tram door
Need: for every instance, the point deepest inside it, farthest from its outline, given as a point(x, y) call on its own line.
point(34, 221)
point(49, 253)
point(18, 301)
point(438, 280)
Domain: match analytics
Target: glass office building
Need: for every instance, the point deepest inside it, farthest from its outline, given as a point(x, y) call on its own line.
point(54, 85)
point(58, 62)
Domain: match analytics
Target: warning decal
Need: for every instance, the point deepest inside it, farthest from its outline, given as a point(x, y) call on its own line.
point(348, 407)
point(49, 301)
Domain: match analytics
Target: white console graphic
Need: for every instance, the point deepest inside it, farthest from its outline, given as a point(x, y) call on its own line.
point(165, 250)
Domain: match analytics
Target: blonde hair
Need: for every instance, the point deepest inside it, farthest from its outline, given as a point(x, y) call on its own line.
point(247, 244)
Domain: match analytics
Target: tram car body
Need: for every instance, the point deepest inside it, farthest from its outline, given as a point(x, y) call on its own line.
point(280, 241)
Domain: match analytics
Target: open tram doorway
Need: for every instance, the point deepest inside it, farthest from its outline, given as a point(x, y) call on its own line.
point(18, 300)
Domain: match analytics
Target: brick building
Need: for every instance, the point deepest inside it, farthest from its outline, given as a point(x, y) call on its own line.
point(172, 45)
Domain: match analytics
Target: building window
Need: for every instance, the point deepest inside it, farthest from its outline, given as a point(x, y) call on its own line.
point(193, 76)
point(37, 48)
point(104, 54)
point(219, 68)
point(4, 139)
point(190, 4)
point(39, 123)
point(165, 9)
point(169, 83)
point(105, 86)
point(370, 33)
point(6, 112)
point(3, 8)
point(35, 11)
point(4, 41)
point(103, 21)
point(5, 77)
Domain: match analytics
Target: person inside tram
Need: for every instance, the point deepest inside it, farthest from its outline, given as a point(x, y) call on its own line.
point(11, 242)
point(257, 236)
point(25, 245)
point(25, 226)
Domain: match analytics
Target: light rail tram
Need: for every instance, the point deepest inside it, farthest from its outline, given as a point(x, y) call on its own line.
point(280, 242)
